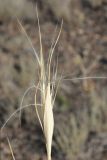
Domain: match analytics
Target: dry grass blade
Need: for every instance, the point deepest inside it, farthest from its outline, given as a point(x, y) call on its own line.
point(23, 99)
point(11, 150)
point(21, 104)
point(15, 112)
point(24, 31)
point(52, 50)
point(40, 121)
point(84, 78)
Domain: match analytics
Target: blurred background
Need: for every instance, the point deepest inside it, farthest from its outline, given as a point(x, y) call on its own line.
point(81, 105)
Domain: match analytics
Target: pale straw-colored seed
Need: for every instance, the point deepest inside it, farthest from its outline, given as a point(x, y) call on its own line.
point(48, 121)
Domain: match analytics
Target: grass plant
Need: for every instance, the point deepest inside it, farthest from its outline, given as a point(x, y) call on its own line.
point(46, 88)
point(47, 92)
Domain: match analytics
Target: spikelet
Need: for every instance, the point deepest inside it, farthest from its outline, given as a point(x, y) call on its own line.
point(47, 94)
point(46, 90)
point(48, 121)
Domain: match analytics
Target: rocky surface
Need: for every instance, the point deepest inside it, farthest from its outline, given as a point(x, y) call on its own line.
point(12, 9)
point(95, 3)
point(95, 147)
